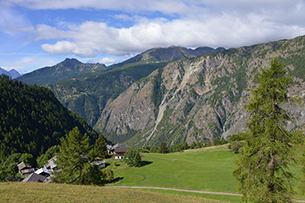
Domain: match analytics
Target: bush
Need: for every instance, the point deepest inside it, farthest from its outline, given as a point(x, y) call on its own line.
point(132, 157)
point(236, 146)
point(236, 137)
point(108, 175)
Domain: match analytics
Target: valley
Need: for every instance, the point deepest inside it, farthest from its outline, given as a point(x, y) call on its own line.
point(151, 98)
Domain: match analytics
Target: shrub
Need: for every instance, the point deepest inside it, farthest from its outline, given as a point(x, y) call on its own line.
point(236, 146)
point(108, 175)
point(132, 157)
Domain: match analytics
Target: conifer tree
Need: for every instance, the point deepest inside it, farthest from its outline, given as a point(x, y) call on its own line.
point(73, 160)
point(163, 148)
point(100, 147)
point(263, 165)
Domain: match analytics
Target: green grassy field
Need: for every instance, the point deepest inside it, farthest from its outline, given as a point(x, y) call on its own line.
point(207, 169)
point(200, 169)
point(39, 192)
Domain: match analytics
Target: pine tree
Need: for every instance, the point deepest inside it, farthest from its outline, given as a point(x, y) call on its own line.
point(73, 161)
point(163, 148)
point(100, 147)
point(262, 168)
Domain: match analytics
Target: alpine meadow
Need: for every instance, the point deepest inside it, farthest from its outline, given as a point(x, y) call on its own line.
point(152, 101)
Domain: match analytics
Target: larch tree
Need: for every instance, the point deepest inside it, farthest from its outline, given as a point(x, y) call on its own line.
point(263, 164)
point(100, 147)
point(74, 161)
point(163, 148)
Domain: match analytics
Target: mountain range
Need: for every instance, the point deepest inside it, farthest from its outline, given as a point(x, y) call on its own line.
point(85, 89)
point(12, 73)
point(168, 94)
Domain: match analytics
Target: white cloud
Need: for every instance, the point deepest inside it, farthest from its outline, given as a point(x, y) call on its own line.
point(12, 22)
point(24, 62)
point(167, 6)
point(226, 30)
point(106, 60)
point(191, 23)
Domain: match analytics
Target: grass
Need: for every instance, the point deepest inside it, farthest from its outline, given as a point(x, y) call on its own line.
point(201, 169)
point(207, 169)
point(39, 192)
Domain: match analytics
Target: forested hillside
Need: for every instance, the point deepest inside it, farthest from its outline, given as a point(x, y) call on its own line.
point(87, 95)
point(32, 119)
point(85, 88)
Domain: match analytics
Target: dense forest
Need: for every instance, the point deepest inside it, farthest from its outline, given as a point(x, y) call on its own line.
point(32, 119)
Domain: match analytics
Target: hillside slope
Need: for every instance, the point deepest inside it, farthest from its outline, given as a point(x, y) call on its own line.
point(32, 119)
point(63, 70)
point(173, 53)
point(87, 94)
point(200, 98)
point(12, 73)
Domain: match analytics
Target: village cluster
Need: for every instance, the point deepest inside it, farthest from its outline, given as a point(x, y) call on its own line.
point(44, 174)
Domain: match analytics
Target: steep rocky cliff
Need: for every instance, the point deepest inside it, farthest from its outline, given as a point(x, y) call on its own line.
point(199, 98)
point(87, 92)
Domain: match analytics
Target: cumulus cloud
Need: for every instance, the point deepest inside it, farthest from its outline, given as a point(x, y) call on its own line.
point(188, 23)
point(90, 38)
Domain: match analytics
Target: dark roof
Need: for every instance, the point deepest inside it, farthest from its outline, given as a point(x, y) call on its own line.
point(34, 178)
point(121, 150)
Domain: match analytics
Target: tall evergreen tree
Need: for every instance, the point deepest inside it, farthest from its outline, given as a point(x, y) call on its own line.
point(262, 168)
point(100, 147)
point(73, 161)
point(163, 148)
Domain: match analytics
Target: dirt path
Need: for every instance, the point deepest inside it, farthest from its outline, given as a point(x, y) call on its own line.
point(184, 190)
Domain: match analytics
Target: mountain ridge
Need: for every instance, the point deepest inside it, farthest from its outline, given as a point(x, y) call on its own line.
point(90, 92)
point(200, 98)
point(12, 73)
point(63, 70)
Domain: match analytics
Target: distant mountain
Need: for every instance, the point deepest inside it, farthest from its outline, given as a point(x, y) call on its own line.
point(64, 70)
point(12, 73)
point(169, 54)
point(91, 92)
point(32, 119)
point(199, 99)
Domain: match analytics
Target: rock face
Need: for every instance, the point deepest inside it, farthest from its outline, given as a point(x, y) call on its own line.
point(199, 98)
point(86, 94)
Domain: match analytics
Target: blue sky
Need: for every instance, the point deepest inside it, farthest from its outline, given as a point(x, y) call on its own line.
point(38, 33)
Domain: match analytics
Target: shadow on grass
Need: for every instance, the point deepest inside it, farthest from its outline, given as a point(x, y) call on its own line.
point(117, 180)
point(145, 163)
